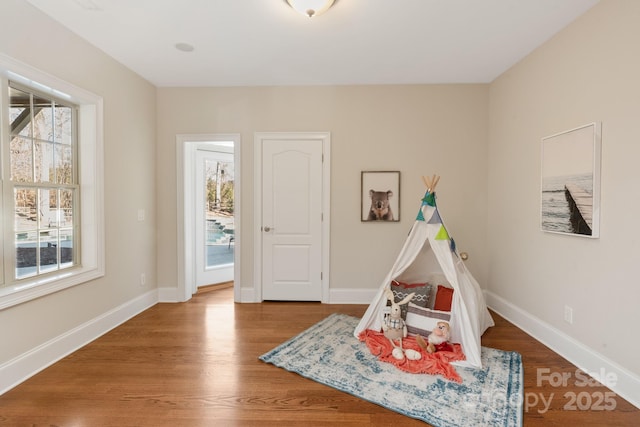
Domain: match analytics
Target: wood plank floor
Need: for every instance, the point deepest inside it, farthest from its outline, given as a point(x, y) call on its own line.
point(196, 364)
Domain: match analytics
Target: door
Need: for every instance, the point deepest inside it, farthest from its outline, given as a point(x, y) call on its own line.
point(214, 217)
point(292, 219)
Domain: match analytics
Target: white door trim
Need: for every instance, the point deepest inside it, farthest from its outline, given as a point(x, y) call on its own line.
point(259, 137)
point(186, 146)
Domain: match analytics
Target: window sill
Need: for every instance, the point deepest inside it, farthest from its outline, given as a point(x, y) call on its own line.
point(31, 289)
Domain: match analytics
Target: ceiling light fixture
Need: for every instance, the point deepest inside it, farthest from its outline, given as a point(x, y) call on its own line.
point(310, 8)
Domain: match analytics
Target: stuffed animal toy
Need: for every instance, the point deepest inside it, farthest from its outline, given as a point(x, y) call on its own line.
point(438, 339)
point(395, 329)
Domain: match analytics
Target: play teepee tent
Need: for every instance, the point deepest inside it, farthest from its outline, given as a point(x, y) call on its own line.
point(429, 251)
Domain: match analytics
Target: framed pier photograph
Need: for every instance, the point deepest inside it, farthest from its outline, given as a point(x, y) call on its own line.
point(570, 184)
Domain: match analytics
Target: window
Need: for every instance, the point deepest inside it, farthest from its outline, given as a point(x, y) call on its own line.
point(51, 150)
point(43, 182)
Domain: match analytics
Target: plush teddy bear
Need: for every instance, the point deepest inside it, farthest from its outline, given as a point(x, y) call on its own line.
point(438, 339)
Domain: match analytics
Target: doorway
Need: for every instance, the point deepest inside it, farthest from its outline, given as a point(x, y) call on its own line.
point(208, 239)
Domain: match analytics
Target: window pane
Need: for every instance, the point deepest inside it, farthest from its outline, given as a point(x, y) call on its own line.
point(63, 164)
point(25, 254)
point(26, 213)
point(66, 248)
point(49, 212)
point(42, 118)
point(48, 250)
point(21, 160)
point(19, 112)
point(66, 208)
point(63, 124)
point(44, 162)
point(219, 183)
point(219, 212)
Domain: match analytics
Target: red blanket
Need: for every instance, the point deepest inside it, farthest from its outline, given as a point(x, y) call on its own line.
point(437, 363)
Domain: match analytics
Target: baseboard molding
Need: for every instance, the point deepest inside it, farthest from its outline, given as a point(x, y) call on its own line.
point(627, 384)
point(248, 295)
point(168, 295)
point(35, 360)
point(351, 296)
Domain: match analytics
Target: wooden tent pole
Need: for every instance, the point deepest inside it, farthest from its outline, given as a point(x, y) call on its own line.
point(431, 182)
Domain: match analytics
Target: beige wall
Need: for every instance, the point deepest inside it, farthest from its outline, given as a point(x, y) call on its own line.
point(417, 130)
point(588, 72)
point(129, 152)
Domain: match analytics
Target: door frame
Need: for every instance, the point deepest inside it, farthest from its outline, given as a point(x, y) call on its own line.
point(186, 146)
point(259, 138)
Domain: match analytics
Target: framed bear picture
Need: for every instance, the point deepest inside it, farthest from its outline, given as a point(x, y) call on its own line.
point(380, 196)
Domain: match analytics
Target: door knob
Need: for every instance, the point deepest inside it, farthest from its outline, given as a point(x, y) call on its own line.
point(267, 229)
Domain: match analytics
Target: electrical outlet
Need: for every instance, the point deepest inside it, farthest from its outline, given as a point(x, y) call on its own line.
point(143, 279)
point(141, 214)
point(568, 314)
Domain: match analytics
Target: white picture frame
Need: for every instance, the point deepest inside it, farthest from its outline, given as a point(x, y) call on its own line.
point(570, 182)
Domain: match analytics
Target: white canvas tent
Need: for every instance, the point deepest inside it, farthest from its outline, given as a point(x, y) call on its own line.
point(428, 252)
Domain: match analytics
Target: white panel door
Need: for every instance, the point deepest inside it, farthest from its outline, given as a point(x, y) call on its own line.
point(292, 220)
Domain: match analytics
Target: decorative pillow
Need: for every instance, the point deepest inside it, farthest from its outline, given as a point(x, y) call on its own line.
point(444, 296)
point(421, 321)
point(401, 290)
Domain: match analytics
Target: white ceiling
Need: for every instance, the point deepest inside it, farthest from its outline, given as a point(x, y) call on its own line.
point(265, 42)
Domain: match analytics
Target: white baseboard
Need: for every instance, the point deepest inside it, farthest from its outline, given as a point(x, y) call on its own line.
point(626, 384)
point(168, 295)
point(35, 360)
point(351, 296)
point(248, 295)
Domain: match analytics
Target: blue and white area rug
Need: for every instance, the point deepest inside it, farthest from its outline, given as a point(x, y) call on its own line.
point(329, 354)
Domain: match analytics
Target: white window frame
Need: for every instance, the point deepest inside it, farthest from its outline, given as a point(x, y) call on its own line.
point(91, 178)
